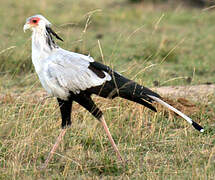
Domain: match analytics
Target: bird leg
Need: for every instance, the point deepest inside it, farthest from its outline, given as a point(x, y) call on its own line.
point(63, 132)
point(111, 139)
point(54, 148)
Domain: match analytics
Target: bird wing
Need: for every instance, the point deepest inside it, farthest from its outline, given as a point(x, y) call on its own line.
point(72, 71)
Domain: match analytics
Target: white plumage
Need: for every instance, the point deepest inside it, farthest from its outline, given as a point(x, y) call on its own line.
point(61, 71)
point(69, 72)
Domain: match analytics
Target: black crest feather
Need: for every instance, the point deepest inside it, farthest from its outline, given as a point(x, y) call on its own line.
point(50, 31)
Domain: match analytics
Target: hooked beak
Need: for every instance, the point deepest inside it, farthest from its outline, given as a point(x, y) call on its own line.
point(26, 27)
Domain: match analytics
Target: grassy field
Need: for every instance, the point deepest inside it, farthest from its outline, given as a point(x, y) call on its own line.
point(167, 45)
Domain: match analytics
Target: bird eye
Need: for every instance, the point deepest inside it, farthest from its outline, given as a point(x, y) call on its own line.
point(34, 21)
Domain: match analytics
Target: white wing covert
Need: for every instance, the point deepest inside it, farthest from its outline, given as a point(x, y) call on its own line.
point(70, 71)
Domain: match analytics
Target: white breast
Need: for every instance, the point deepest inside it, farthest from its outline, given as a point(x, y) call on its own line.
point(61, 71)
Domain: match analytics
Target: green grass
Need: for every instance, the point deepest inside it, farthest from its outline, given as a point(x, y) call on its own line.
point(145, 43)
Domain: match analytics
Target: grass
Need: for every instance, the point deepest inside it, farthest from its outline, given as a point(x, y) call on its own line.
point(145, 43)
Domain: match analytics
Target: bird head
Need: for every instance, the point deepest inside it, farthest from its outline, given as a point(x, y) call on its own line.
point(36, 22)
point(39, 23)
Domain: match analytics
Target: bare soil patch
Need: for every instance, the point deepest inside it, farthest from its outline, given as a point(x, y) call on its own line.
point(195, 93)
point(186, 98)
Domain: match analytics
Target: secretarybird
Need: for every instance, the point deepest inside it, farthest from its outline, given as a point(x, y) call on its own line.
point(75, 77)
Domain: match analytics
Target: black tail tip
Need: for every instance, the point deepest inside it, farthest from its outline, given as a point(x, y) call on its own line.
point(198, 127)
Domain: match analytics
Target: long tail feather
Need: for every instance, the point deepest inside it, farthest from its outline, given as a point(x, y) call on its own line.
point(189, 120)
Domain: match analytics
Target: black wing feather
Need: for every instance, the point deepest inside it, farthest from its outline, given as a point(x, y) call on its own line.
point(119, 86)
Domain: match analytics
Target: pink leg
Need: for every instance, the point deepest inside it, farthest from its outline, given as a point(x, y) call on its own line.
point(111, 139)
point(62, 133)
point(54, 148)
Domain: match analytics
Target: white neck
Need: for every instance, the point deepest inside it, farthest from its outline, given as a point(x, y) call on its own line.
point(41, 49)
point(39, 44)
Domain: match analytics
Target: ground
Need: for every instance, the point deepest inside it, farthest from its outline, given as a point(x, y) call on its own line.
point(155, 45)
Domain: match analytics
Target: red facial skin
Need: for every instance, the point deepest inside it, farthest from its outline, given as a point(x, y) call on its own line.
point(34, 21)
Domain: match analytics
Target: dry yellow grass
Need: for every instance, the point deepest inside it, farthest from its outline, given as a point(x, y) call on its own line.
point(150, 44)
